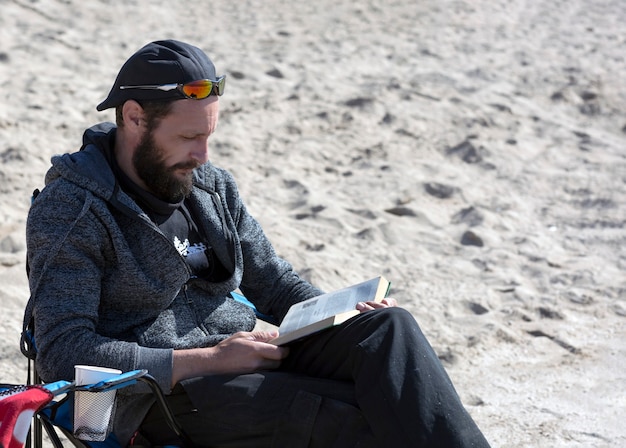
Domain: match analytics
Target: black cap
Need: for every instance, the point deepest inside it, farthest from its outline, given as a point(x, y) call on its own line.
point(157, 63)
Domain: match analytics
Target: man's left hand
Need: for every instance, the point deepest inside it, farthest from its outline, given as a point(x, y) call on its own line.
point(368, 306)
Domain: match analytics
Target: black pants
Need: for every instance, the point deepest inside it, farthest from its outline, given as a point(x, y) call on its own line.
point(373, 381)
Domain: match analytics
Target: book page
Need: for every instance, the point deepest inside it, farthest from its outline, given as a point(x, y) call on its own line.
point(326, 305)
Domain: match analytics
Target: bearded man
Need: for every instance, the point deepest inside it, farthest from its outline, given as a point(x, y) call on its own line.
point(134, 247)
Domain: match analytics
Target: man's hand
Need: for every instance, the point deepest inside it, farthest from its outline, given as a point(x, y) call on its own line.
point(368, 306)
point(243, 352)
point(247, 352)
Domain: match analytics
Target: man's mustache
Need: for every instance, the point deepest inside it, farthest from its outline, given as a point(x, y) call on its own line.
point(185, 166)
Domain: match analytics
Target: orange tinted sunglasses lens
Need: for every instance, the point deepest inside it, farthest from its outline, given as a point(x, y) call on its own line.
point(203, 88)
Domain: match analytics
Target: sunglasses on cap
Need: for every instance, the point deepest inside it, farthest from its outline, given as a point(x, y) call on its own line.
point(196, 90)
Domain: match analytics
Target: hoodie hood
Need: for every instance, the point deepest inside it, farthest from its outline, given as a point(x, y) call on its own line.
point(89, 167)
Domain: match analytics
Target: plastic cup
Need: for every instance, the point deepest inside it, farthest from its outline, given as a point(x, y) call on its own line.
point(93, 410)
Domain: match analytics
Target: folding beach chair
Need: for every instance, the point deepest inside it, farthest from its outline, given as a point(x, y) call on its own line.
point(55, 414)
point(51, 406)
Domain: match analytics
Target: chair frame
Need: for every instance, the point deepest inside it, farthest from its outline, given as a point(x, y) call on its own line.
point(42, 422)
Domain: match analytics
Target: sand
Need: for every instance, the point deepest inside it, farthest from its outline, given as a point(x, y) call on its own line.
point(472, 152)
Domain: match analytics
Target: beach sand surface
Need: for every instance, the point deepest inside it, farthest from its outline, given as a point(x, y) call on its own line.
point(472, 152)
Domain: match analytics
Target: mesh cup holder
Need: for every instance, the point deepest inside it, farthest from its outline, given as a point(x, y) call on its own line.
point(93, 412)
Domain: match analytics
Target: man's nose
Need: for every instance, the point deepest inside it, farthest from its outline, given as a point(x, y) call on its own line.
point(200, 151)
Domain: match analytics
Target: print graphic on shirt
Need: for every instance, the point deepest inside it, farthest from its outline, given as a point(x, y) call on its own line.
point(195, 254)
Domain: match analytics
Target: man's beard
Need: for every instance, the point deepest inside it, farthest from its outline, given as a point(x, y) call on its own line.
point(161, 180)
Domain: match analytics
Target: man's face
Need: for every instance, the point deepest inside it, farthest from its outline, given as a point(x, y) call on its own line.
point(165, 158)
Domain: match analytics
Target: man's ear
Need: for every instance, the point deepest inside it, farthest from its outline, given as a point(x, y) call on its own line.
point(133, 115)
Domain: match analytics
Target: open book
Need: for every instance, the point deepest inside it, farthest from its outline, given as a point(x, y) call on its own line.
point(327, 310)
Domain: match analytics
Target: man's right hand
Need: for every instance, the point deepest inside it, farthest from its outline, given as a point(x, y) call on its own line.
point(243, 352)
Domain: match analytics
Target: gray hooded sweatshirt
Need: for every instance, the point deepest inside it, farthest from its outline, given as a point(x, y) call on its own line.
point(109, 289)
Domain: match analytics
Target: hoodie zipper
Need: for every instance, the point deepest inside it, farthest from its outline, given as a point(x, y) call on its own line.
point(191, 305)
